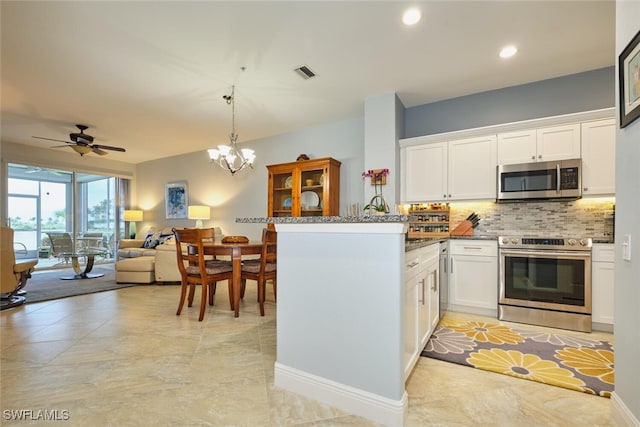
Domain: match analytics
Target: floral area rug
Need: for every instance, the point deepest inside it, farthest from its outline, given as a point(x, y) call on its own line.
point(576, 363)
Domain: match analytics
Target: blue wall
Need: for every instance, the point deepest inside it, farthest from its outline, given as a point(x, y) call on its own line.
point(590, 90)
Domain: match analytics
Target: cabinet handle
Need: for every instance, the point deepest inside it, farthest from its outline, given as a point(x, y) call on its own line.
point(585, 189)
point(445, 265)
point(422, 300)
point(449, 195)
point(444, 196)
point(472, 247)
point(412, 264)
point(533, 157)
point(451, 269)
point(539, 156)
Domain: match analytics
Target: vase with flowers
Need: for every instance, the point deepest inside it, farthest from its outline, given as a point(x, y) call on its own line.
point(377, 205)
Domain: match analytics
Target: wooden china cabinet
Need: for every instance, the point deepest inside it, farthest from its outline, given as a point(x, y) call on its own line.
point(304, 188)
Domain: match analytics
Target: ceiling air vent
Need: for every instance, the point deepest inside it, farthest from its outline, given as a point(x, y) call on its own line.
point(305, 72)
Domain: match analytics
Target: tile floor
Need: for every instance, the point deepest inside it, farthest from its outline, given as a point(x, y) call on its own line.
point(123, 358)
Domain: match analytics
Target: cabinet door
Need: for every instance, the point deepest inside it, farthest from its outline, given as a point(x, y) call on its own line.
point(411, 349)
point(602, 283)
point(517, 147)
point(559, 142)
point(311, 180)
point(602, 280)
point(472, 168)
point(432, 303)
point(425, 176)
point(599, 157)
point(473, 282)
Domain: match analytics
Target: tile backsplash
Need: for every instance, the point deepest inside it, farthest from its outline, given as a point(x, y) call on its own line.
point(576, 218)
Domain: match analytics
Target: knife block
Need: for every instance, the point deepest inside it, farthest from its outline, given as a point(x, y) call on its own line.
point(465, 228)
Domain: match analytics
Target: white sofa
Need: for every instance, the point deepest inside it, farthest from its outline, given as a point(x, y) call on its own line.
point(162, 265)
point(156, 262)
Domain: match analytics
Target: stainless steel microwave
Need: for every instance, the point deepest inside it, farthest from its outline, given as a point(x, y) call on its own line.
point(540, 180)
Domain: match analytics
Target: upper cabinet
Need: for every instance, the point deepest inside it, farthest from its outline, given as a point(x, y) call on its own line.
point(539, 145)
point(461, 165)
point(304, 188)
point(599, 158)
point(425, 172)
point(455, 170)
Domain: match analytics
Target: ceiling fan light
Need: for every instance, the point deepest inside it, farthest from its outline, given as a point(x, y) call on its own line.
point(81, 149)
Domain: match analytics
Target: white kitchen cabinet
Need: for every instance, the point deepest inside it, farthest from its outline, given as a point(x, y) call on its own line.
point(472, 169)
point(428, 296)
point(539, 145)
point(454, 170)
point(473, 276)
point(422, 301)
point(425, 172)
point(599, 158)
point(411, 349)
point(602, 283)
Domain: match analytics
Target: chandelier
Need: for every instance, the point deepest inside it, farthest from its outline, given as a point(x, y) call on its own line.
point(229, 157)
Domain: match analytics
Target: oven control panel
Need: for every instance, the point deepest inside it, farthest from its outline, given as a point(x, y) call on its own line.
point(570, 243)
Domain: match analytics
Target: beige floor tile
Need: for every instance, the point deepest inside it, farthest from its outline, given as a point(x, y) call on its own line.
point(124, 358)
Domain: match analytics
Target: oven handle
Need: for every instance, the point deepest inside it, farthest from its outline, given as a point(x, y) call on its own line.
point(547, 254)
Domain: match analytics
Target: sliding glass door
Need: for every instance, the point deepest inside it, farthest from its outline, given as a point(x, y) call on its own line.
point(86, 206)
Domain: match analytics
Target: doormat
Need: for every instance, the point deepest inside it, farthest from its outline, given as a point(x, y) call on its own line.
point(576, 363)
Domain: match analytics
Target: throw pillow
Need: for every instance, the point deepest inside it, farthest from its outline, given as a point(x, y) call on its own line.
point(152, 240)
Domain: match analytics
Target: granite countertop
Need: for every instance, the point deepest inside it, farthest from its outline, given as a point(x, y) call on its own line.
point(325, 219)
point(411, 245)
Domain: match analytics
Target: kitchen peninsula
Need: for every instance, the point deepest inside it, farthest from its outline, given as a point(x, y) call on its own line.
point(342, 316)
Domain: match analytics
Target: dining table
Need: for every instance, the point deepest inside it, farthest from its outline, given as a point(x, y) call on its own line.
point(236, 251)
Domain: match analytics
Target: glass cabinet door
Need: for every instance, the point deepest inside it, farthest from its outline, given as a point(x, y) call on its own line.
point(312, 192)
point(282, 194)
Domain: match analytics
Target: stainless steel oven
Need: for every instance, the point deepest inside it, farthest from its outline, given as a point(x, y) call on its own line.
point(545, 281)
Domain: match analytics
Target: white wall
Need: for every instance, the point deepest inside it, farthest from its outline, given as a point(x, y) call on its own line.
point(245, 194)
point(627, 284)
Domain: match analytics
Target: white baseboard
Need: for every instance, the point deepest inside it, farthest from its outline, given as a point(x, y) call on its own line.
point(355, 401)
point(621, 414)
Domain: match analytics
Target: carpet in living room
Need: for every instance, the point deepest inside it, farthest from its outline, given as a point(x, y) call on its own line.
point(48, 285)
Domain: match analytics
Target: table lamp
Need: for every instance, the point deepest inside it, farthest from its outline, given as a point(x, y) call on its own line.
point(132, 216)
point(199, 213)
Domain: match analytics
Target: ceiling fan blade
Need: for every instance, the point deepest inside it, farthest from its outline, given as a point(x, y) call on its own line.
point(51, 139)
point(107, 147)
point(59, 146)
point(98, 151)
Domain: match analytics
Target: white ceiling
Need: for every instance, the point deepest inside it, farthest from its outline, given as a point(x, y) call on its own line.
point(149, 76)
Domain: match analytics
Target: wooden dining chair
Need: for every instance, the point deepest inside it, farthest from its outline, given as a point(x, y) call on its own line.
point(196, 270)
point(263, 268)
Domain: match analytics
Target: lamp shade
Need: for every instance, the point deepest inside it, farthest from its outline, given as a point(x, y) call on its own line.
point(132, 215)
point(199, 213)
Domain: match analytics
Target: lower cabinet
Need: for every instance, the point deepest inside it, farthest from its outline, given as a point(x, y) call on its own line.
point(473, 276)
point(421, 304)
point(602, 282)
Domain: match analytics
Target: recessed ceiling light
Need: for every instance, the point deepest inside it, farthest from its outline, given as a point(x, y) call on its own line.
point(508, 51)
point(411, 16)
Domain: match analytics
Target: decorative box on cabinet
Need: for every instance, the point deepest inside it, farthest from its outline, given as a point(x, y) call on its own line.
point(428, 221)
point(304, 188)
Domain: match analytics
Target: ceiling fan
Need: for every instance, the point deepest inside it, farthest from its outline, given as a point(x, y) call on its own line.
point(82, 143)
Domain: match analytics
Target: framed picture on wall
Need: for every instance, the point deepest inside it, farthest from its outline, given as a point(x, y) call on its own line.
point(629, 77)
point(176, 200)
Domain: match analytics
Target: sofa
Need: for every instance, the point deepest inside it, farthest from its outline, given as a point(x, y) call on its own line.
point(150, 259)
point(137, 260)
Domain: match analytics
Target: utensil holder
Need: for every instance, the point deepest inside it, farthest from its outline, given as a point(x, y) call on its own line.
point(465, 228)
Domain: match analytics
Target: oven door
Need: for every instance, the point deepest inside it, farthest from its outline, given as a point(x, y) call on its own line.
point(553, 280)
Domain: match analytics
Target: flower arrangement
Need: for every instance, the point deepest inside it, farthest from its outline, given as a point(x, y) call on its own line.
point(378, 179)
